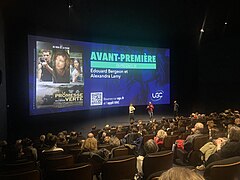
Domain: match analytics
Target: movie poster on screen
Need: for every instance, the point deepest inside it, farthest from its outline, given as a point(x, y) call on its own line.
point(59, 75)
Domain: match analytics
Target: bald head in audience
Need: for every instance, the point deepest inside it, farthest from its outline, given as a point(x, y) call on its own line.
point(90, 135)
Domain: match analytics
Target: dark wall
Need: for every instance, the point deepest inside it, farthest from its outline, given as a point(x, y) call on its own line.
point(219, 74)
point(3, 106)
point(163, 24)
point(218, 59)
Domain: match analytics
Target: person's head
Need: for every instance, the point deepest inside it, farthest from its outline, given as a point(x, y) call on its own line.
point(220, 140)
point(106, 139)
point(94, 127)
point(211, 124)
point(161, 134)
point(46, 54)
point(175, 102)
point(52, 141)
point(107, 127)
point(62, 61)
point(180, 173)
point(150, 146)
point(104, 134)
point(237, 121)
point(131, 122)
point(228, 127)
point(198, 127)
point(90, 135)
point(49, 134)
point(27, 142)
point(42, 138)
point(234, 133)
point(61, 137)
point(73, 134)
point(119, 128)
point(134, 130)
point(76, 64)
point(140, 122)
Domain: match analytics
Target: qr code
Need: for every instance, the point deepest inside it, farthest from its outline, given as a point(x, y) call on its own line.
point(96, 99)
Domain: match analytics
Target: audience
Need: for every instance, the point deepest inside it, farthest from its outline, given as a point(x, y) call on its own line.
point(218, 147)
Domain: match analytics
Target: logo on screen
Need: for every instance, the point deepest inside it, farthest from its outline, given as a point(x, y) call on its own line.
point(96, 98)
point(157, 96)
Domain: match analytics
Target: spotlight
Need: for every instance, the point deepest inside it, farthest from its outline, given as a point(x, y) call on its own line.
point(225, 23)
point(70, 4)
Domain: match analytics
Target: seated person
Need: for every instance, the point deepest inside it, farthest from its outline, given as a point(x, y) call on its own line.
point(210, 148)
point(159, 138)
point(14, 152)
point(61, 139)
point(73, 138)
point(52, 142)
point(114, 141)
point(187, 144)
point(29, 151)
point(196, 131)
point(41, 144)
point(130, 137)
point(90, 144)
point(149, 147)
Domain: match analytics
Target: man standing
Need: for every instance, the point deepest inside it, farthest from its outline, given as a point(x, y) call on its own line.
point(175, 108)
point(150, 109)
point(131, 112)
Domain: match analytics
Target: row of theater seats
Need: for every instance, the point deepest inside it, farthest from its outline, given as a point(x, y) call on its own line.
point(123, 167)
point(63, 167)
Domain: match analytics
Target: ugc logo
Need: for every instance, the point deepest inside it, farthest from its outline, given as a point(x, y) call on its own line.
point(157, 96)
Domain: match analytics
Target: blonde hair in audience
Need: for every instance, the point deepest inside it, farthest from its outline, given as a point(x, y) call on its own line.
point(180, 173)
point(199, 126)
point(161, 134)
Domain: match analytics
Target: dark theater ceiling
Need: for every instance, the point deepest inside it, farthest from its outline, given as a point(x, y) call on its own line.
point(156, 22)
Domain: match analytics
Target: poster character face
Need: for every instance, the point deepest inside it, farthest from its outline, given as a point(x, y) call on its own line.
point(46, 56)
point(76, 64)
point(60, 63)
